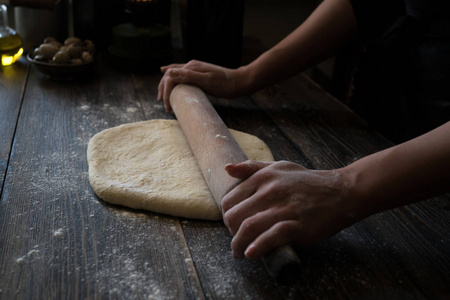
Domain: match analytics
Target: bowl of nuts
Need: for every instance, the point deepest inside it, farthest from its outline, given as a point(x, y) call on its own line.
point(67, 60)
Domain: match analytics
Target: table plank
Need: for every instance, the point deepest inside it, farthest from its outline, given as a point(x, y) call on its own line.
point(336, 262)
point(318, 134)
point(12, 86)
point(242, 114)
point(58, 239)
point(221, 276)
point(318, 123)
point(410, 252)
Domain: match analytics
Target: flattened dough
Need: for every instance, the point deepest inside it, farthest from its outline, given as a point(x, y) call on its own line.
point(149, 165)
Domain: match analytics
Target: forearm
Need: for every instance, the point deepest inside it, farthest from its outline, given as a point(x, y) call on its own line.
point(328, 27)
point(406, 173)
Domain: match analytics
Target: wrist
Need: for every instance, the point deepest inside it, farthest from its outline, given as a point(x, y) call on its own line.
point(244, 80)
point(357, 203)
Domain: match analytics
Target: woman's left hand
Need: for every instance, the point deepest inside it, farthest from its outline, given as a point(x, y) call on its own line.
point(212, 79)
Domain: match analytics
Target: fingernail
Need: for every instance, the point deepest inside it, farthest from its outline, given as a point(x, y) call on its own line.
point(250, 252)
point(228, 166)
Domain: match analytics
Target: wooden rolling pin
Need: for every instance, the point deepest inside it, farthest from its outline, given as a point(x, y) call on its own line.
point(214, 147)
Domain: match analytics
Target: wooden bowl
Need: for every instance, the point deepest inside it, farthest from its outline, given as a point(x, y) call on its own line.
point(56, 71)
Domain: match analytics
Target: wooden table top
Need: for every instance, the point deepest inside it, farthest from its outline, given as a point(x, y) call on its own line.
point(59, 241)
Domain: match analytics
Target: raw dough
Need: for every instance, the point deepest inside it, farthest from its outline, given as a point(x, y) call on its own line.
point(149, 165)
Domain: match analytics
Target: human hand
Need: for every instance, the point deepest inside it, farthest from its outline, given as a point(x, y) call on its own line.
point(282, 202)
point(212, 79)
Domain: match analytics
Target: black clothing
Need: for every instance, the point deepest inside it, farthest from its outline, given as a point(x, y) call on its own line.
point(402, 80)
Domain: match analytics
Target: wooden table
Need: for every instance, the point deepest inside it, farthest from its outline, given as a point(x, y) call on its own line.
point(59, 241)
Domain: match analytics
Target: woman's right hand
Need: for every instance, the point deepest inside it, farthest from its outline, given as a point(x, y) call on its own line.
point(281, 202)
point(212, 79)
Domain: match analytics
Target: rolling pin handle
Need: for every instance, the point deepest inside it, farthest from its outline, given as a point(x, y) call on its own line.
point(282, 264)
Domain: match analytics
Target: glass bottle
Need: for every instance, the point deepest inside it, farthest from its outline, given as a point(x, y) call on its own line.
point(10, 42)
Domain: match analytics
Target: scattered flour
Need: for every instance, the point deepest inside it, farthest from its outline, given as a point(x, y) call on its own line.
point(59, 232)
point(221, 136)
point(31, 254)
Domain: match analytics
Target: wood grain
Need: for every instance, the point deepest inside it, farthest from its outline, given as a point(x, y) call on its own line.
point(12, 86)
point(58, 240)
point(331, 136)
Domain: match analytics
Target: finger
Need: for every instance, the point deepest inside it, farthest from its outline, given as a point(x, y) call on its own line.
point(245, 189)
point(254, 226)
point(245, 169)
point(193, 64)
point(255, 175)
point(243, 206)
point(280, 234)
point(199, 66)
point(171, 78)
point(168, 87)
point(188, 76)
point(238, 194)
point(233, 217)
point(159, 97)
point(167, 83)
point(165, 68)
point(247, 233)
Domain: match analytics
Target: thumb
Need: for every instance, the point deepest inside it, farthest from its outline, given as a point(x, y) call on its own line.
point(245, 169)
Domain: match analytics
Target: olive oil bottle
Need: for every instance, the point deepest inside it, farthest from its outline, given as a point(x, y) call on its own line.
point(10, 42)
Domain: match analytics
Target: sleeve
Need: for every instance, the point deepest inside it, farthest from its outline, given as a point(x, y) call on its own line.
point(373, 16)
